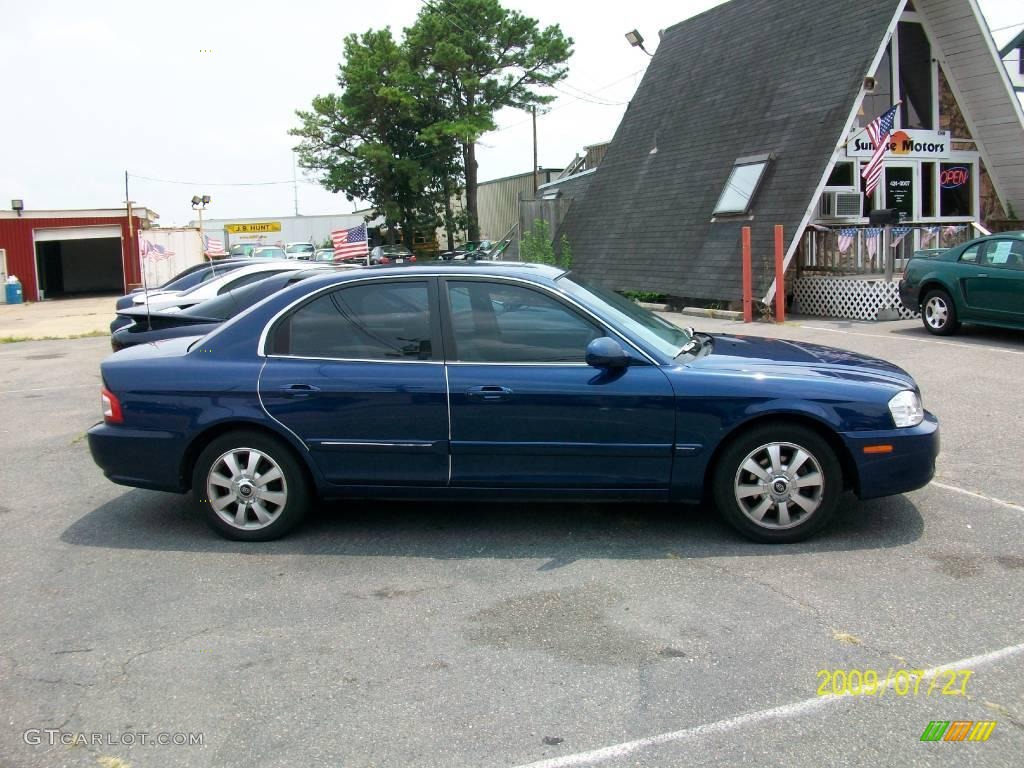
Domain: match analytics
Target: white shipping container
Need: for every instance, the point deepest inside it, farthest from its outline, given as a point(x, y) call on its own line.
point(171, 251)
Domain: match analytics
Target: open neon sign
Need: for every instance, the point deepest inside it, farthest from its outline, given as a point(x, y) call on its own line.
point(951, 178)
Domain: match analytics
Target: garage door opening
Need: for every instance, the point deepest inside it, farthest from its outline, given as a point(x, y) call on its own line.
point(78, 262)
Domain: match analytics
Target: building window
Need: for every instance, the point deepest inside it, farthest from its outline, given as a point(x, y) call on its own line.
point(915, 77)
point(956, 189)
point(741, 185)
point(841, 176)
point(927, 190)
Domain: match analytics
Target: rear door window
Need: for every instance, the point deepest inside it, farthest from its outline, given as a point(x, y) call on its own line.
point(371, 321)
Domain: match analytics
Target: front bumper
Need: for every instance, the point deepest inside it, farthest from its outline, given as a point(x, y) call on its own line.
point(139, 458)
point(909, 466)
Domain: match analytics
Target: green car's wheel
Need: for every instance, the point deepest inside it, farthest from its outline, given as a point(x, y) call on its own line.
point(938, 313)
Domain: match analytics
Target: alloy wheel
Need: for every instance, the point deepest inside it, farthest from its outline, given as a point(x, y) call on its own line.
point(936, 312)
point(246, 488)
point(779, 485)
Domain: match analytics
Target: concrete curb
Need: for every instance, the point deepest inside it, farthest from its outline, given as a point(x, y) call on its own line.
point(717, 314)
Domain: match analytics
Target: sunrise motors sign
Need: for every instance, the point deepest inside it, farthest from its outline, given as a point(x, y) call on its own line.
point(904, 144)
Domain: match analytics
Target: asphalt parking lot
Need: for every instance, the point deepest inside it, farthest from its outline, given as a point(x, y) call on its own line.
point(419, 634)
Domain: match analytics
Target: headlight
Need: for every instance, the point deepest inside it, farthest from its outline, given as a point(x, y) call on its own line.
point(906, 409)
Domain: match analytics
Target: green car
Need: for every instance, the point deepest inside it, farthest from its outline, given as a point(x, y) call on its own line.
point(980, 282)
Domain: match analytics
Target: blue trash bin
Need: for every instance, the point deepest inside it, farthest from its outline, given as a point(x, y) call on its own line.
point(13, 293)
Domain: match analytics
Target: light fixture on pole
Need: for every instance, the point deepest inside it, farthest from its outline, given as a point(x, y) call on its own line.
point(18, 206)
point(200, 203)
point(635, 39)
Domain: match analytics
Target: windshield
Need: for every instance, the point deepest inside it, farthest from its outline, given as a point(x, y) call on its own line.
point(299, 248)
point(659, 333)
point(269, 253)
point(394, 250)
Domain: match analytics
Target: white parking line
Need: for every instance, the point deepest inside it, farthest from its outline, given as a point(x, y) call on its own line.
point(983, 497)
point(916, 339)
point(45, 389)
point(783, 712)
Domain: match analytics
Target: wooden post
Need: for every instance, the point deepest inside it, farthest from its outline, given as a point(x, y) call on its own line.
point(780, 278)
point(748, 281)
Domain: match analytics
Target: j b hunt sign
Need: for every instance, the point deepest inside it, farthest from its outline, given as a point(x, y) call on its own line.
point(910, 144)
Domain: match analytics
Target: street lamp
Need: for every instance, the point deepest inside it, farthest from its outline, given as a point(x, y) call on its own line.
point(199, 204)
point(635, 39)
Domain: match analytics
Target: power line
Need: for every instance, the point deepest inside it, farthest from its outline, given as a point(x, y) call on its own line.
point(218, 184)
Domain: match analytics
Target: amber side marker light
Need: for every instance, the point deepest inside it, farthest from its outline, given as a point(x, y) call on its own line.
point(877, 449)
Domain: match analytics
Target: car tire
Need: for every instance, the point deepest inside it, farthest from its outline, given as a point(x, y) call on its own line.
point(250, 486)
point(938, 313)
point(779, 503)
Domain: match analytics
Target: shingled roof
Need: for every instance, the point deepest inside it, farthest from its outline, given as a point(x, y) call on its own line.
point(746, 77)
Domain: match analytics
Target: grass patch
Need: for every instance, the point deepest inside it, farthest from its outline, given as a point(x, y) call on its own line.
point(16, 339)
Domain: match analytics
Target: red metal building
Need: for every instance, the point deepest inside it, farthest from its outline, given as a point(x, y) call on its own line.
point(64, 253)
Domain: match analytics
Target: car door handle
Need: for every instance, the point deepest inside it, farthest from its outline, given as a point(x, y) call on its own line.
point(490, 393)
point(983, 274)
point(299, 390)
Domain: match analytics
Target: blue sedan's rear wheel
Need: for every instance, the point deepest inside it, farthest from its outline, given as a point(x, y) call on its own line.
point(250, 486)
point(938, 313)
point(778, 483)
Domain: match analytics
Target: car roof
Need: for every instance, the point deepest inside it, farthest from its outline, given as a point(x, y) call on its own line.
point(543, 273)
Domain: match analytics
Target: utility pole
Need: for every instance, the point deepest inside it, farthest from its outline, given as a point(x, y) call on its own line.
point(535, 184)
point(128, 202)
point(295, 185)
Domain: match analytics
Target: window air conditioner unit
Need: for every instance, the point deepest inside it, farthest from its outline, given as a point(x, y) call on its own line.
point(840, 205)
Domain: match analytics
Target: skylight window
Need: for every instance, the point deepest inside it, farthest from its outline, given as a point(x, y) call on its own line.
point(741, 185)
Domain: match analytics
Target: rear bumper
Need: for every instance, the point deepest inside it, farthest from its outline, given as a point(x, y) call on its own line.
point(139, 458)
point(909, 466)
point(908, 296)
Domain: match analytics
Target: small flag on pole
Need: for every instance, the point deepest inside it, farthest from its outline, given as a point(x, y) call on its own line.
point(350, 243)
point(878, 131)
point(212, 246)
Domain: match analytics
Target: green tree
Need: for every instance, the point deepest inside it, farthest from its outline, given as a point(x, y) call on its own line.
point(482, 57)
point(365, 141)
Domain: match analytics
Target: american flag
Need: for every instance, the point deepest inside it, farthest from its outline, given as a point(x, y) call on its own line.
point(213, 246)
point(153, 251)
point(871, 240)
point(878, 131)
point(350, 242)
point(846, 238)
point(898, 233)
point(927, 233)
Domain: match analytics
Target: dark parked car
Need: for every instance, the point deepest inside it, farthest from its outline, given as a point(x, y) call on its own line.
point(183, 281)
point(502, 381)
point(199, 319)
point(979, 282)
point(391, 254)
point(470, 251)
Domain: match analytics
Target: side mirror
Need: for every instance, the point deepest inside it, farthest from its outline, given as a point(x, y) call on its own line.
point(606, 352)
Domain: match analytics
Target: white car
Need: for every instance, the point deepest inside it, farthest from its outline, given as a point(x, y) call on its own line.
point(236, 278)
point(299, 250)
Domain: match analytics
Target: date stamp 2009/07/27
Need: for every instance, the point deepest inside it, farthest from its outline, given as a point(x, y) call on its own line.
point(902, 682)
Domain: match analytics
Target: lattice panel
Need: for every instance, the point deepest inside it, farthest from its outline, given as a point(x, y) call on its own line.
point(847, 298)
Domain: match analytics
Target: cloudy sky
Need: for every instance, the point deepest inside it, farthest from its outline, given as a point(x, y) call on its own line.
point(204, 93)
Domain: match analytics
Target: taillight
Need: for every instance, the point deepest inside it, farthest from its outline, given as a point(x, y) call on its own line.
point(412, 258)
point(111, 407)
point(385, 260)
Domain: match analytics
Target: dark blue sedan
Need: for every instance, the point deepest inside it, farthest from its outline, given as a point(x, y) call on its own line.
point(508, 381)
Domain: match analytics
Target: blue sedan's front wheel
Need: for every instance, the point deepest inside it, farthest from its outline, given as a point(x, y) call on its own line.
point(778, 483)
point(250, 486)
